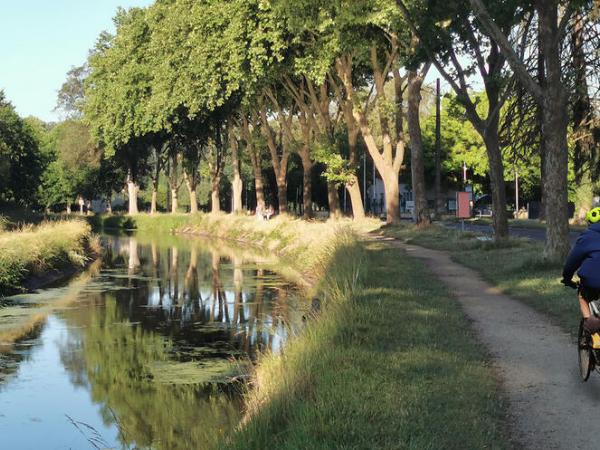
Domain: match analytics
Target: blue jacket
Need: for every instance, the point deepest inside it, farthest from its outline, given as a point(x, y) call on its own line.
point(585, 256)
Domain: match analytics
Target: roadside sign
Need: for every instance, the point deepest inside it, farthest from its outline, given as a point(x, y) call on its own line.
point(463, 201)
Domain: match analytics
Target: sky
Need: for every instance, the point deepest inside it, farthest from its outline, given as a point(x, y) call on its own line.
point(40, 40)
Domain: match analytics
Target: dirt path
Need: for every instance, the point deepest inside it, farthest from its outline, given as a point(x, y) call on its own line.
point(550, 407)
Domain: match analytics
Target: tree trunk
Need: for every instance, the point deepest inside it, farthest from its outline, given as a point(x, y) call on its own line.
point(552, 100)
point(215, 202)
point(190, 182)
point(353, 188)
point(153, 201)
point(282, 194)
point(279, 158)
point(237, 187)
point(421, 212)
point(583, 155)
point(498, 185)
point(555, 122)
point(555, 182)
point(236, 184)
point(334, 201)
point(174, 200)
point(132, 191)
point(392, 197)
point(255, 161)
point(307, 166)
point(258, 181)
point(193, 201)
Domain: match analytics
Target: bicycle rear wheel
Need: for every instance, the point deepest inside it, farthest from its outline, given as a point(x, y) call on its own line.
point(584, 350)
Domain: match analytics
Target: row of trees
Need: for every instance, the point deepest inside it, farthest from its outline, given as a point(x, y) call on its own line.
point(186, 81)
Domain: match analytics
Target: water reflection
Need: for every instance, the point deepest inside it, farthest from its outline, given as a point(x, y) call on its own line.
point(144, 339)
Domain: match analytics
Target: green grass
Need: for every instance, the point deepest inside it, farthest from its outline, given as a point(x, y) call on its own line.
point(390, 363)
point(35, 251)
point(516, 266)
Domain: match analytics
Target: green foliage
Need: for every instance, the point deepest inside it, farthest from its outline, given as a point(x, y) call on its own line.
point(71, 94)
point(21, 162)
point(462, 144)
point(337, 169)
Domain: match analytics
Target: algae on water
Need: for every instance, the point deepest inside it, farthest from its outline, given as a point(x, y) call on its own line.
point(197, 372)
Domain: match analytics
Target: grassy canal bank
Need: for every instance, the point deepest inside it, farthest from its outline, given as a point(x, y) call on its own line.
point(516, 266)
point(37, 255)
point(387, 361)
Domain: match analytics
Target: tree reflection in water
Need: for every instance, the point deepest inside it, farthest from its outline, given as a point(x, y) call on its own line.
point(141, 349)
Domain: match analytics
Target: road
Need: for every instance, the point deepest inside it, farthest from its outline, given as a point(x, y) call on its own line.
point(537, 234)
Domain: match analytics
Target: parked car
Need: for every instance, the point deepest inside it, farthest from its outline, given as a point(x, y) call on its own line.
point(483, 206)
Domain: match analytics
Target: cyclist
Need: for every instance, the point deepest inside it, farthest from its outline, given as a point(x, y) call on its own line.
point(585, 256)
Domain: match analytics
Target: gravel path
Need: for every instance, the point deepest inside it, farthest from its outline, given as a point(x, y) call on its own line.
point(550, 407)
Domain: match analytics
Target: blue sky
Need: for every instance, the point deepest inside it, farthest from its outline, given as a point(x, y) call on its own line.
point(40, 40)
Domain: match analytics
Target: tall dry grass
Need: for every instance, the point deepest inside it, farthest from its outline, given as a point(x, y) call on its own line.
point(36, 250)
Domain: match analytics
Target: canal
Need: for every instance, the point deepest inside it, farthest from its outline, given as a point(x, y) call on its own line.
point(140, 351)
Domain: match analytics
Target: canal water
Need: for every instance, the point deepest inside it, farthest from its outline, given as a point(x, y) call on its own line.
point(140, 351)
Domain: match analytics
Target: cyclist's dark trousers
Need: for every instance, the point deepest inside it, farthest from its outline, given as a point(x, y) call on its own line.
point(589, 294)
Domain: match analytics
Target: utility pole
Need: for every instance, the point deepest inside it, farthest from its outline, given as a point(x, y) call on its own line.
point(438, 144)
point(516, 192)
point(364, 158)
point(373, 190)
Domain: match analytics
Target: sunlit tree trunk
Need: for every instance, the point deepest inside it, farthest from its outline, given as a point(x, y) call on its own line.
point(389, 156)
point(153, 200)
point(236, 184)
point(215, 202)
point(132, 193)
point(174, 201)
point(352, 185)
point(191, 182)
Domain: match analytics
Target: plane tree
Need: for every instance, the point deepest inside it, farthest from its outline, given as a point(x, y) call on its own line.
point(550, 93)
point(117, 91)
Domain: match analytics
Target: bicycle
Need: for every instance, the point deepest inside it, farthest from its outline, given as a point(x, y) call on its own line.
point(588, 347)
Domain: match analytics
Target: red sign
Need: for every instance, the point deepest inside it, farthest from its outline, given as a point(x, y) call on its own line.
point(463, 205)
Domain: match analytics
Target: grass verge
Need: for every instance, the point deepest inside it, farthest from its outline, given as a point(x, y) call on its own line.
point(516, 266)
point(389, 362)
point(32, 256)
